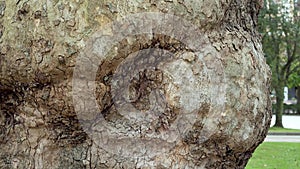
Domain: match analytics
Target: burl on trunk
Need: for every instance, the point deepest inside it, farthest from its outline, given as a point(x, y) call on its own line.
point(131, 84)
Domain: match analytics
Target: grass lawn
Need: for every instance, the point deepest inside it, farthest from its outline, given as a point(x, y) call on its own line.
point(270, 155)
point(283, 130)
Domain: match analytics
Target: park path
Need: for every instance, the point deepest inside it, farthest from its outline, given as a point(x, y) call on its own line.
point(283, 138)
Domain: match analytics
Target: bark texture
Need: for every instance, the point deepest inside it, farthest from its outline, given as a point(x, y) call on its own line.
point(223, 95)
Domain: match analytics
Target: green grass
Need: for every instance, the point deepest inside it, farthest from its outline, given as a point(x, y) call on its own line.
point(284, 130)
point(271, 155)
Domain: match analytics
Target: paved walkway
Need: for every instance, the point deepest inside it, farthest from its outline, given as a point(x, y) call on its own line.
point(281, 138)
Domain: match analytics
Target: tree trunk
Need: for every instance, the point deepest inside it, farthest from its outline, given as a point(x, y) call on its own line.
point(298, 99)
point(131, 84)
point(279, 104)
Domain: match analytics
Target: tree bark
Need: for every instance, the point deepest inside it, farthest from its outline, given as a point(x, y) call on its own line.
point(185, 86)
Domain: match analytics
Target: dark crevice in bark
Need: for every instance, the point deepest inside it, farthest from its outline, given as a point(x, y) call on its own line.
point(242, 14)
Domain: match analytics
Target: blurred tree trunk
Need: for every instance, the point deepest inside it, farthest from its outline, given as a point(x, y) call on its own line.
point(279, 89)
point(298, 99)
point(39, 128)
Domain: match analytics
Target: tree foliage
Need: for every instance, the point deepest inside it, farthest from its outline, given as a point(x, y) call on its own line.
point(279, 23)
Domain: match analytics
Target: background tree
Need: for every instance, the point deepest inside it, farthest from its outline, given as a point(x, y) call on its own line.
point(279, 24)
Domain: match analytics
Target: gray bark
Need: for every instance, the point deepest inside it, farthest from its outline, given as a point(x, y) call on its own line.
point(194, 97)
